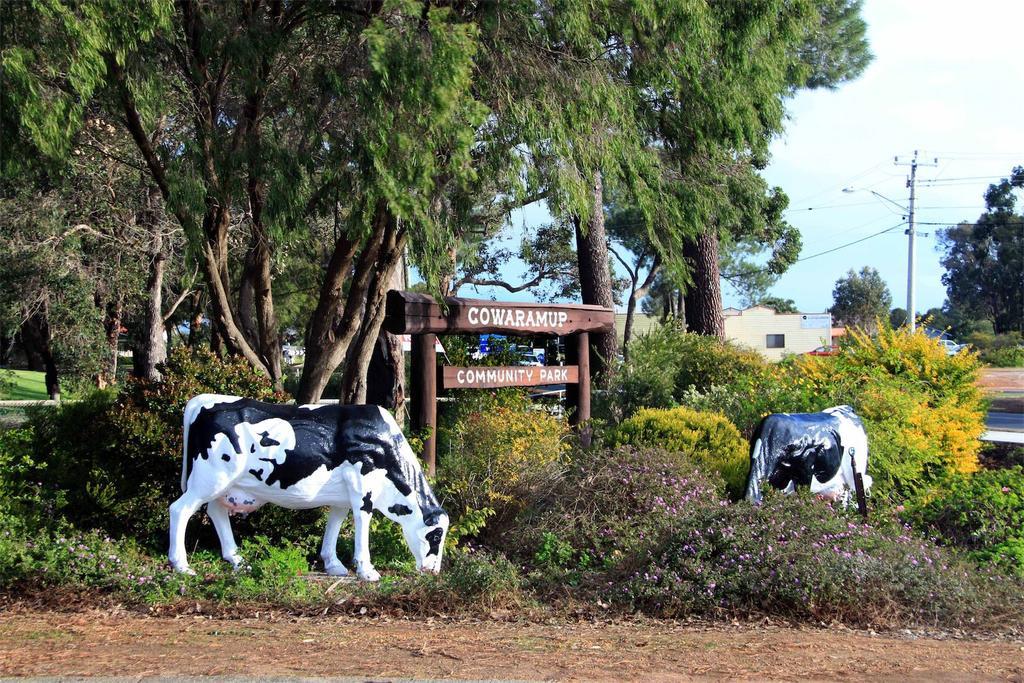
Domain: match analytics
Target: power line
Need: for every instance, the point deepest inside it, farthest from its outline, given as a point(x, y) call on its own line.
point(731, 276)
point(973, 225)
point(937, 181)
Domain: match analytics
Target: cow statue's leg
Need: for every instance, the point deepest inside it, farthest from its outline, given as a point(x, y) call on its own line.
point(362, 512)
point(181, 511)
point(203, 486)
point(222, 523)
point(329, 549)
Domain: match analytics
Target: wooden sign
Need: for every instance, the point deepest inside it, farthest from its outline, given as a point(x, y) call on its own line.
point(508, 376)
point(412, 313)
point(422, 317)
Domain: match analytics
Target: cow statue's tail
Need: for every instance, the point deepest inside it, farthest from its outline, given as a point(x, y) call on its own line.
point(184, 451)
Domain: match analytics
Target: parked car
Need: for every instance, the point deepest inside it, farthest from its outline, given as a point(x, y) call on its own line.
point(952, 348)
point(532, 357)
point(291, 352)
point(828, 350)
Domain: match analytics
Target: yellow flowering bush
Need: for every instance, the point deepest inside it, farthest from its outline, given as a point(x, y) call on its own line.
point(498, 453)
point(917, 360)
point(709, 440)
point(921, 407)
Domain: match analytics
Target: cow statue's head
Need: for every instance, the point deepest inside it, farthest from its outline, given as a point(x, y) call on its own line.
point(426, 537)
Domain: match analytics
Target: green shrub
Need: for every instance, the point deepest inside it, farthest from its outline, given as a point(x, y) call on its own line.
point(998, 350)
point(666, 362)
point(21, 474)
point(609, 503)
point(795, 557)
point(982, 513)
point(484, 579)
point(499, 452)
point(1007, 357)
point(709, 440)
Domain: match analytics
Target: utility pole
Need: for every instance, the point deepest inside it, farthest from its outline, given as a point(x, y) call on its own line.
point(911, 252)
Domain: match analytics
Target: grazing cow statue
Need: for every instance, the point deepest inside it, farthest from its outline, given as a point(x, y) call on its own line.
point(825, 451)
point(240, 453)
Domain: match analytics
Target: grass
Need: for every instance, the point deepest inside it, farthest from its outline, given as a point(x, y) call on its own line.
point(22, 385)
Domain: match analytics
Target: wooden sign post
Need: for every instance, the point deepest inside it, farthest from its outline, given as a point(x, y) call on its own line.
point(422, 317)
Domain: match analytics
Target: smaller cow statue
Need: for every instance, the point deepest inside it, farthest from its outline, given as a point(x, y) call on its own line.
point(240, 453)
point(827, 451)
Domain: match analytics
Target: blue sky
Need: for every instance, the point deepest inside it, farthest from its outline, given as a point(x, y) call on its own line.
point(946, 80)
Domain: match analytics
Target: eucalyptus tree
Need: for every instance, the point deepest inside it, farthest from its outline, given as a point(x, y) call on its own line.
point(984, 260)
point(861, 299)
point(630, 246)
point(262, 118)
point(559, 103)
point(716, 79)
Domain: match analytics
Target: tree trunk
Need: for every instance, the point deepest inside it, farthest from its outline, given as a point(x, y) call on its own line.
point(112, 328)
point(226, 331)
point(596, 280)
point(268, 337)
point(635, 295)
point(35, 334)
point(387, 362)
point(703, 301)
point(338, 316)
point(6, 348)
point(387, 367)
point(150, 348)
point(247, 299)
point(195, 321)
point(354, 388)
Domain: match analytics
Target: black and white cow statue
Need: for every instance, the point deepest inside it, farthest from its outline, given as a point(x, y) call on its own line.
point(240, 453)
point(820, 450)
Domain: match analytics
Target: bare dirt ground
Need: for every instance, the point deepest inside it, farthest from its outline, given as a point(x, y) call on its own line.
point(93, 642)
point(997, 380)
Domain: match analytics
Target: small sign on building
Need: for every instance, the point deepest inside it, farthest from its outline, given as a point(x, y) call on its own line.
point(816, 321)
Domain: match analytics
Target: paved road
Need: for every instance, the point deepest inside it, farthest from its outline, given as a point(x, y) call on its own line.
point(1005, 422)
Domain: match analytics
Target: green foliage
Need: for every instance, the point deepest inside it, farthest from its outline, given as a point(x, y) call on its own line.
point(982, 513)
point(22, 473)
point(708, 440)
point(608, 504)
point(499, 448)
point(779, 305)
point(485, 579)
point(1004, 356)
point(861, 299)
point(796, 557)
point(473, 581)
point(984, 260)
point(998, 350)
point(666, 361)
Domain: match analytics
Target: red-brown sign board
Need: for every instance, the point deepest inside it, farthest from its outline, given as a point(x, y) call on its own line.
point(412, 313)
point(508, 376)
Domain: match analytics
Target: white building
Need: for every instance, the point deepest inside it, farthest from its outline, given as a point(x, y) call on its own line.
point(771, 334)
point(775, 335)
